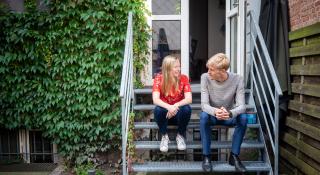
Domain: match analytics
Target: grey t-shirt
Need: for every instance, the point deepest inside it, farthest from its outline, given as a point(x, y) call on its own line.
point(229, 94)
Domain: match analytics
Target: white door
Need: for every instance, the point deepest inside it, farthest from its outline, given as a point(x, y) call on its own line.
point(169, 22)
point(235, 34)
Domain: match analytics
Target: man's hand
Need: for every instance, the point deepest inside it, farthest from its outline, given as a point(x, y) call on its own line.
point(222, 114)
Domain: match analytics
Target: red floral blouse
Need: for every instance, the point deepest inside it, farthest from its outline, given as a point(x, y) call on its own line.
point(172, 98)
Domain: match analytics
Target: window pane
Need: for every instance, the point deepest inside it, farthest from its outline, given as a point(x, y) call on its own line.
point(166, 7)
point(233, 43)
point(165, 41)
point(40, 148)
point(9, 145)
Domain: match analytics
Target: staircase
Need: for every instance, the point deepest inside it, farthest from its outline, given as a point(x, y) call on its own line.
point(260, 75)
point(262, 164)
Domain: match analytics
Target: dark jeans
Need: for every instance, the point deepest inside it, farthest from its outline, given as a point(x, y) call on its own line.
point(181, 119)
point(208, 121)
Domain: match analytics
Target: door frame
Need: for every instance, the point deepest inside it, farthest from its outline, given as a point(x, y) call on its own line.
point(240, 13)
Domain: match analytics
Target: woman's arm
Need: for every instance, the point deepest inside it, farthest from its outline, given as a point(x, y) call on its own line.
point(187, 99)
point(157, 101)
point(172, 110)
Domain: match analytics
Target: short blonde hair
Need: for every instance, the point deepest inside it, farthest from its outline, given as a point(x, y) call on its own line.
point(220, 61)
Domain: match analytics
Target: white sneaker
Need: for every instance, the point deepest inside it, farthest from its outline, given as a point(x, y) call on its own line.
point(164, 143)
point(180, 142)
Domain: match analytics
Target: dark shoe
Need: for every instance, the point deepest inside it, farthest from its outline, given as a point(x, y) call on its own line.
point(236, 162)
point(206, 164)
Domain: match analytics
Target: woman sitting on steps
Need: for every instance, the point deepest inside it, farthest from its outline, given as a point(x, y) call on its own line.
point(171, 93)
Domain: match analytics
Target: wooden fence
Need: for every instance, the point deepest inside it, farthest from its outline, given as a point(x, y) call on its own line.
point(300, 142)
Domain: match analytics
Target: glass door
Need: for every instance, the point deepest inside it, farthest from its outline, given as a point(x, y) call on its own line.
point(169, 23)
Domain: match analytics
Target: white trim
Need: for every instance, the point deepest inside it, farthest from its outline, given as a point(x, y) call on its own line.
point(232, 13)
point(166, 17)
point(241, 38)
point(228, 35)
point(185, 37)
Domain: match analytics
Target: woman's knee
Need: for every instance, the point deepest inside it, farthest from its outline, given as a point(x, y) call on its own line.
point(159, 111)
point(186, 109)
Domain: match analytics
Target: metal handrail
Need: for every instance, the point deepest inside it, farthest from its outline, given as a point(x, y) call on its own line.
point(258, 85)
point(267, 56)
point(126, 90)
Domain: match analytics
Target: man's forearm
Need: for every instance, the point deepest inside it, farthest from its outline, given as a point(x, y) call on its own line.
point(238, 110)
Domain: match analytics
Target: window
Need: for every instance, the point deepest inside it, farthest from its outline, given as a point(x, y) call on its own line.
point(166, 40)
point(9, 146)
point(41, 149)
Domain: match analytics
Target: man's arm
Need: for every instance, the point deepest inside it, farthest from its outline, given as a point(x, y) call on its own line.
point(239, 107)
point(205, 105)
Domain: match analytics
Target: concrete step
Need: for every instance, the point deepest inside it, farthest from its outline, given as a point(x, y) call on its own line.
point(197, 106)
point(195, 166)
point(153, 125)
point(154, 145)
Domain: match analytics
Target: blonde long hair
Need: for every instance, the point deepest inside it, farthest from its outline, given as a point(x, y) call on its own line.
point(169, 82)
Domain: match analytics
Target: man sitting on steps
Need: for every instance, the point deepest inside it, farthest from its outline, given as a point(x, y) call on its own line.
point(222, 102)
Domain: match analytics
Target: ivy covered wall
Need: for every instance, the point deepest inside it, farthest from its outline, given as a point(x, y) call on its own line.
point(60, 71)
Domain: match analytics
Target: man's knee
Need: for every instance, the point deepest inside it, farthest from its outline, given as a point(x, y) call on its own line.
point(204, 118)
point(242, 120)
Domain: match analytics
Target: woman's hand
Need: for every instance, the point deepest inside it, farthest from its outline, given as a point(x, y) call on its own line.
point(172, 110)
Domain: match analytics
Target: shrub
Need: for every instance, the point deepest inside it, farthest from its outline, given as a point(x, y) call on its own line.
point(60, 71)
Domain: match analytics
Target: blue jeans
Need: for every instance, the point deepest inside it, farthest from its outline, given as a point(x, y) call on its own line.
point(208, 121)
point(181, 119)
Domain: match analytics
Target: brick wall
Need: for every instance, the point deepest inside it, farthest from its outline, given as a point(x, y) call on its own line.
point(303, 13)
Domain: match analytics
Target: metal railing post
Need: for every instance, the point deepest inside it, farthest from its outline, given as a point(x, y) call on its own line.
point(124, 163)
point(126, 90)
point(276, 133)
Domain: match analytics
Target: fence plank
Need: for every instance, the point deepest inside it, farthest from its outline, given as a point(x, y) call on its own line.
point(304, 108)
point(307, 89)
point(301, 165)
point(309, 130)
point(305, 69)
point(302, 146)
point(305, 32)
point(312, 49)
